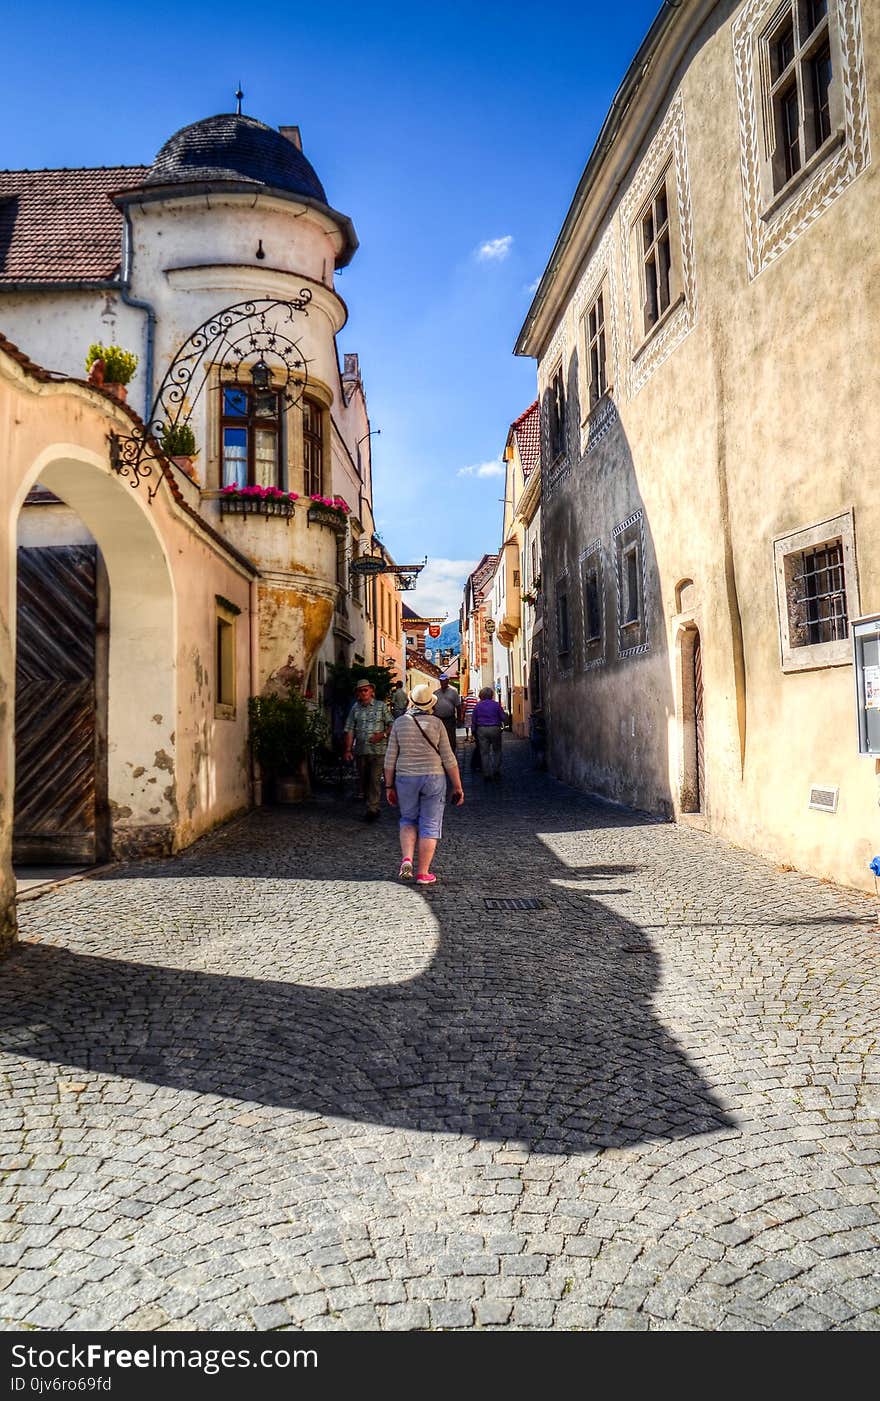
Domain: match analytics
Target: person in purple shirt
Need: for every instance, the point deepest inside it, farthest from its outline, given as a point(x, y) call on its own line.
point(487, 723)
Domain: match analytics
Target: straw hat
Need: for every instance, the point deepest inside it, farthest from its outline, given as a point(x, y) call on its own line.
point(423, 698)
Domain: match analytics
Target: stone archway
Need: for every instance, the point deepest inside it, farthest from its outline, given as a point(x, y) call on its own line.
point(141, 704)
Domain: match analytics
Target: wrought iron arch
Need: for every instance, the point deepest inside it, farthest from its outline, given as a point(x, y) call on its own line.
point(238, 338)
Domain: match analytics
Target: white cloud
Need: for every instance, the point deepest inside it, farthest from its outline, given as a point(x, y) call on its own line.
point(495, 468)
point(440, 587)
point(495, 250)
point(533, 286)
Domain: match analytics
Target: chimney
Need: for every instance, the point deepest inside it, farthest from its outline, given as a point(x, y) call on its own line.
point(292, 134)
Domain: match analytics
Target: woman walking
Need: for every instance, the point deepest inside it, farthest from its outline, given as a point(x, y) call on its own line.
point(417, 762)
point(487, 722)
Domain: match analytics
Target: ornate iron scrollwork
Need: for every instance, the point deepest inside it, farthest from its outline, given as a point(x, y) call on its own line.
point(406, 575)
point(236, 338)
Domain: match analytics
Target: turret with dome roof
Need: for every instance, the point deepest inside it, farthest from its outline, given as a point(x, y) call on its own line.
point(234, 153)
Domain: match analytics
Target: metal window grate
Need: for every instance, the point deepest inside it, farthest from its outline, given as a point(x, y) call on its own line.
point(512, 903)
point(823, 799)
point(824, 594)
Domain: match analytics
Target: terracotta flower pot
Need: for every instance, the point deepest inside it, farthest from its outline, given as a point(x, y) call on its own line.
point(293, 788)
point(187, 465)
point(119, 391)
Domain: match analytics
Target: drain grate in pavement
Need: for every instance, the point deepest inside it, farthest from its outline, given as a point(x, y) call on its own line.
point(525, 902)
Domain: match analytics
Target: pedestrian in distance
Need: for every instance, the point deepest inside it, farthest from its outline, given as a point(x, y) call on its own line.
point(418, 762)
point(488, 722)
point(399, 700)
point(366, 732)
point(448, 707)
point(468, 707)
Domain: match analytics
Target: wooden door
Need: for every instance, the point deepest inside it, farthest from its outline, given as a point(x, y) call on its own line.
point(56, 729)
point(698, 719)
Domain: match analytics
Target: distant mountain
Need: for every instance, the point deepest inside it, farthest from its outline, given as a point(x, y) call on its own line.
point(449, 637)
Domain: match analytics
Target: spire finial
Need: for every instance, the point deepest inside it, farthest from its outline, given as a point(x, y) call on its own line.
point(238, 96)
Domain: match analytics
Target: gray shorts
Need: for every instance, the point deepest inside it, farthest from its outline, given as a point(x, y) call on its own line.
point(421, 799)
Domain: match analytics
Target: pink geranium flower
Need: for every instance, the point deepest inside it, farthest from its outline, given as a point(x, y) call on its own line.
point(333, 503)
point(262, 493)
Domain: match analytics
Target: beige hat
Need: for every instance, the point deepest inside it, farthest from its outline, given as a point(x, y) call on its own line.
point(423, 697)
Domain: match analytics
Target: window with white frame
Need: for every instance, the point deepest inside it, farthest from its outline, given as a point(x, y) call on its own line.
point(596, 347)
point(656, 251)
point(557, 414)
point(802, 97)
point(563, 628)
point(250, 434)
point(631, 592)
point(798, 61)
point(593, 605)
point(817, 593)
point(632, 622)
point(659, 270)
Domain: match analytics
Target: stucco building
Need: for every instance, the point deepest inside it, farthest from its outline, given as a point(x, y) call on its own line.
point(706, 339)
point(138, 622)
point(522, 454)
point(477, 657)
point(420, 669)
point(230, 213)
point(127, 642)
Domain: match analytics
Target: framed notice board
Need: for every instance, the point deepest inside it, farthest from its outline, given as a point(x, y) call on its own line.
point(866, 664)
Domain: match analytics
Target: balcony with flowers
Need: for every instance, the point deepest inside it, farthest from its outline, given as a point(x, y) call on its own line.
point(257, 501)
point(276, 529)
point(331, 511)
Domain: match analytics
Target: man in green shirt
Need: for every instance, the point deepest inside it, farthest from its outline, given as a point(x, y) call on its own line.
point(366, 732)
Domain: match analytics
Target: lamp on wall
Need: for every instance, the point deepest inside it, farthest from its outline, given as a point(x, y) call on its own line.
point(230, 337)
point(261, 375)
point(265, 397)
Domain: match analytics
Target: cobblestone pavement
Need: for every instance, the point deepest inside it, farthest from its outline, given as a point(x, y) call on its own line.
point(264, 1085)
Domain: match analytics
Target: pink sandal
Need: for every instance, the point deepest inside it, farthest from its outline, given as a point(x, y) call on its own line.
point(427, 879)
point(406, 870)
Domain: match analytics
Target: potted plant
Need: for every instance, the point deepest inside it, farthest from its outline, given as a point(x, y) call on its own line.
point(110, 367)
point(257, 500)
point(344, 680)
point(179, 443)
point(284, 729)
point(328, 510)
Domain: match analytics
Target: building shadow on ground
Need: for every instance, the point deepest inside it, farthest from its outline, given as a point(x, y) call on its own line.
point(532, 1026)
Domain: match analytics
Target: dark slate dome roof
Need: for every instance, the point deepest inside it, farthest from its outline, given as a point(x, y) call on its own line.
point(232, 147)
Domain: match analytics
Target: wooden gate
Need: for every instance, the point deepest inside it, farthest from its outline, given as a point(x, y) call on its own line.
point(698, 719)
point(58, 737)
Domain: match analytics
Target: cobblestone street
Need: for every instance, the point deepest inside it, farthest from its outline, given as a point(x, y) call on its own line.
point(264, 1085)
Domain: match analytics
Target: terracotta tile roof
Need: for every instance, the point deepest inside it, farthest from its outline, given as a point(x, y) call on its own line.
point(61, 225)
point(421, 663)
point(527, 431)
point(484, 570)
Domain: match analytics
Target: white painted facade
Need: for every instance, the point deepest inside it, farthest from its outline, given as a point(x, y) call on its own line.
point(501, 678)
point(184, 257)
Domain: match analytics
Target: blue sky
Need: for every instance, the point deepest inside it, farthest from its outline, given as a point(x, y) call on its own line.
point(441, 130)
